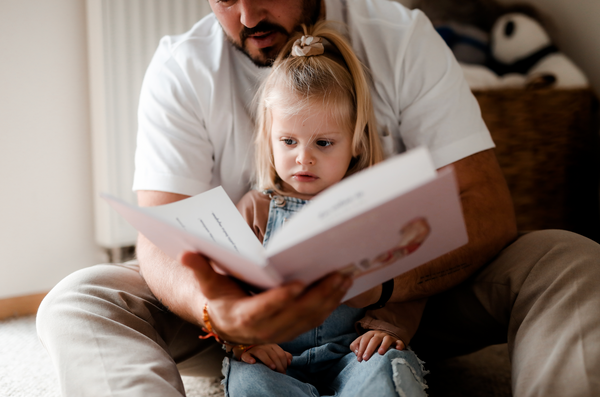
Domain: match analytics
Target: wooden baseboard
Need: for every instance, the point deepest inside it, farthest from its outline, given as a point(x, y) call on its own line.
point(20, 305)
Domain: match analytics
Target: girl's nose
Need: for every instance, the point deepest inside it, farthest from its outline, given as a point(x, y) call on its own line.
point(305, 157)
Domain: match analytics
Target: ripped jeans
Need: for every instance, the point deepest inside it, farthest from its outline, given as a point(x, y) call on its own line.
point(323, 365)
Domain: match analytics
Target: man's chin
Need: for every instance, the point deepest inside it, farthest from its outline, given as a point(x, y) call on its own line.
point(261, 58)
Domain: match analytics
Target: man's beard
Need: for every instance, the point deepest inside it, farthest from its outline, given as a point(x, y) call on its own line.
point(311, 10)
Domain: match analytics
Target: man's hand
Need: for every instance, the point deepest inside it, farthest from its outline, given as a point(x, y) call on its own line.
point(271, 355)
point(274, 316)
point(365, 345)
point(277, 315)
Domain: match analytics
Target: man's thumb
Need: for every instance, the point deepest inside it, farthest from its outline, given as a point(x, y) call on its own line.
point(205, 274)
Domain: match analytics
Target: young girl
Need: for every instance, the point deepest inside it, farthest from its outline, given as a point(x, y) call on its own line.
point(316, 125)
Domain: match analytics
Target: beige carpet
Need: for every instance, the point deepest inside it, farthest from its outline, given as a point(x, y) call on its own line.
point(26, 370)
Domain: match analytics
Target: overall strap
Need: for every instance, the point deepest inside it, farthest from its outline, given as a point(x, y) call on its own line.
point(281, 208)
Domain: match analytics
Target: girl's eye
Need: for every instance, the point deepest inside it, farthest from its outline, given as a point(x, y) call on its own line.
point(288, 141)
point(324, 143)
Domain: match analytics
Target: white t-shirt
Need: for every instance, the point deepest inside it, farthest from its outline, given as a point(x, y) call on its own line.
point(195, 115)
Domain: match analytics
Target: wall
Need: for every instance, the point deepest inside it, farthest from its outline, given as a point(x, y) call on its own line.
point(46, 229)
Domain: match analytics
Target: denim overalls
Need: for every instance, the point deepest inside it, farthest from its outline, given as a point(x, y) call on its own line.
point(322, 363)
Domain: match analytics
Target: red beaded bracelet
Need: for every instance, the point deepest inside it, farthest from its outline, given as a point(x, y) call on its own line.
point(210, 333)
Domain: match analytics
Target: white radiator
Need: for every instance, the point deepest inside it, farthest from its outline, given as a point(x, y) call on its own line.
point(122, 37)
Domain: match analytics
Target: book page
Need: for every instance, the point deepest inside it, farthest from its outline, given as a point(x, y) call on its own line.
point(213, 215)
point(208, 223)
point(384, 242)
point(436, 208)
point(354, 195)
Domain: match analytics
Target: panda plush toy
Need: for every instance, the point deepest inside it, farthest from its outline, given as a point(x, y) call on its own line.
point(519, 44)
point(522, 54)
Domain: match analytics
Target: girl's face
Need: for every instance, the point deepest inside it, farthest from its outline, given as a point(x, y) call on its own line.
point(311, 151)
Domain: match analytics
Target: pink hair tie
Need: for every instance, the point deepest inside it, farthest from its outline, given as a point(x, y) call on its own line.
point(308, 46)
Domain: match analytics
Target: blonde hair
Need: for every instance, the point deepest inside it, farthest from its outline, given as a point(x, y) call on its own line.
point(336, 81)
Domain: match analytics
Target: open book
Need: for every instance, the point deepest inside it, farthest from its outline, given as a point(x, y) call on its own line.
point(375, 225)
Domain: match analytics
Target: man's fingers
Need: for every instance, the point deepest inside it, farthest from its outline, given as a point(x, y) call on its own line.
point(195, 261)
point(313, 307)
point(275, 300)
point(268, 317)
point(274, 314)
point(320, 298)
point(334, 287)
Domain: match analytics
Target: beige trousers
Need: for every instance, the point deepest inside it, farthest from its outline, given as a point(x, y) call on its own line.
point(109, 336)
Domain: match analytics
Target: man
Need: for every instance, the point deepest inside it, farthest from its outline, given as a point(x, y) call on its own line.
point(124, 330)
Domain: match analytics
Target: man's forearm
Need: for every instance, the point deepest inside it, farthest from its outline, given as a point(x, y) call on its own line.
point(268, 317)
point(455, 267)
point(173, 284)
point(490, 221)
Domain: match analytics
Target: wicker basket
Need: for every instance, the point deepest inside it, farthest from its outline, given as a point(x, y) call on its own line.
point(547, 145)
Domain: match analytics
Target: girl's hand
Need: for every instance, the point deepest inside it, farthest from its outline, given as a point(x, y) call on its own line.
point(365, 345)
point(270, 355)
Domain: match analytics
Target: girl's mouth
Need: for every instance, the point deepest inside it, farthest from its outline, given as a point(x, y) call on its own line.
point(305, 177)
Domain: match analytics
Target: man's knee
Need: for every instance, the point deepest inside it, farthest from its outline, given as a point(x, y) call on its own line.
point(545, 255)
point(538, 265)
point(539, 271)
point(559, 242)
point(89, 292)
point(562, 259)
